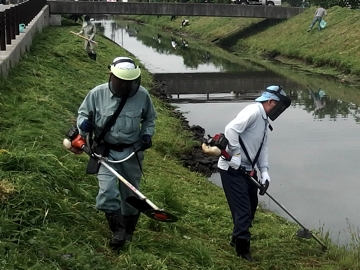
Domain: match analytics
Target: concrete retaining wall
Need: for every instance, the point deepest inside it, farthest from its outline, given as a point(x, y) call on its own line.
point(21, 44)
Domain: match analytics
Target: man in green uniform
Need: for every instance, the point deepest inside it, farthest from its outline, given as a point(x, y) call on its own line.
point(134, 127)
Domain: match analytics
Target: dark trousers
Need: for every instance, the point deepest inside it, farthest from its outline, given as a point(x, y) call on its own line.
point(241, 195)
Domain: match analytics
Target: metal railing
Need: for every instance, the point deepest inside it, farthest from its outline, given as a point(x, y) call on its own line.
point(11, 16)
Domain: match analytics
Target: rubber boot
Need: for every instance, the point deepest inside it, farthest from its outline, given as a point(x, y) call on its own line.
point(130, 222)
point(232, 242)
point(116, 225)
point(243, 249)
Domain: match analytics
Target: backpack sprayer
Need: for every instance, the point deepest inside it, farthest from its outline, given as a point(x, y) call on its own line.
point(77, 145)
point(215, 146)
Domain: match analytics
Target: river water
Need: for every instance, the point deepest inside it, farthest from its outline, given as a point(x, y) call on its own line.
point(314, 147)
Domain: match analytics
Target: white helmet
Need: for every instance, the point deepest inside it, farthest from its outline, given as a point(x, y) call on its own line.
point(128, 77)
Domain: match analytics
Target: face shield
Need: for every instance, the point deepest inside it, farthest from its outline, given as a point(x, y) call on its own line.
point(125, 77)
point(278, 94)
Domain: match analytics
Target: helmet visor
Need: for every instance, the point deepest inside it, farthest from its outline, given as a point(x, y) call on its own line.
point(282, 104)
point(279, 108)
point(121, 88)
point(125, 77)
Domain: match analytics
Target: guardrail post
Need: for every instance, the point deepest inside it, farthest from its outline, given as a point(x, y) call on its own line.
point(2, 32)
point(8, 28)
point(21, 12)
point(16, 19)
point(26, 7)
point(12, 23)
point(33, 9)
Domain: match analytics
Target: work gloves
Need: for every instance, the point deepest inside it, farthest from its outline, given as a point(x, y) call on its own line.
point(264, 176)
point(235, 162)
point(146, 142)
point(87, 126)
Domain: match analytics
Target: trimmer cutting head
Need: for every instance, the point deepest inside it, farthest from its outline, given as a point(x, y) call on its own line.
point(160, 215)
point(144, 207)
point(306, 234)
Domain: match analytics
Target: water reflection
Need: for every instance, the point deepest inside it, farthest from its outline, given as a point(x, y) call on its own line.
point(234, 87)
point(231, 86)
point(174, 53)
point(318, 97)
point(322, 106)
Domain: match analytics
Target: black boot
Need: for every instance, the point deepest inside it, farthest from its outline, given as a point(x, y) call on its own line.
point(93, 56)
point(232, 242)
point(130, 222)
point(243, 249)
point(116, 225)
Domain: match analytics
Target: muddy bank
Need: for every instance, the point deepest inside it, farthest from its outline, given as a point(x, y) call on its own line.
point(195, 160)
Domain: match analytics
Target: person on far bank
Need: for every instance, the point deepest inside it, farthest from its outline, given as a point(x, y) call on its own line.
point(89, 30)
point(304, 4)
point(184, 23)
point(247, 136)
point(319, 14)
point(133, 127)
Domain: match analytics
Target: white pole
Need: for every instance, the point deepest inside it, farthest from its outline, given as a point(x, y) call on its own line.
point(122, 179)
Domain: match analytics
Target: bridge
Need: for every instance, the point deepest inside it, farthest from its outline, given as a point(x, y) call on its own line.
point(173, 9)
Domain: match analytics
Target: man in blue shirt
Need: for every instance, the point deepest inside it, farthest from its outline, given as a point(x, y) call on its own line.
point(134, 127)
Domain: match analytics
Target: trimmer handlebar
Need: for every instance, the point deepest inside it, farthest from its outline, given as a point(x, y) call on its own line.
point(262, 187)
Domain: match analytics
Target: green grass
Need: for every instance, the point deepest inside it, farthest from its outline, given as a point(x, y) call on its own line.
point(47, 217)
point(335, 46)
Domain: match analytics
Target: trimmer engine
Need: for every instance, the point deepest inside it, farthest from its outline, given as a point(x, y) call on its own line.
point(74, 142)
point(219, 140)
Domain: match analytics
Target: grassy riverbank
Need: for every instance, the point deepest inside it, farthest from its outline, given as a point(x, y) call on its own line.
point(335, 50)
point(48, 219)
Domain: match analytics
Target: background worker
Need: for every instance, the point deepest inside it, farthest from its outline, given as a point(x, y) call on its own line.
point(134, 127)
point(89, 30)
point(247, 146)
point(319, 13)
point(184, 23)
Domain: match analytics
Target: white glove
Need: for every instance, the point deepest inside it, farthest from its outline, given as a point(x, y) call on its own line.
point(264, 176)
point(235, 162)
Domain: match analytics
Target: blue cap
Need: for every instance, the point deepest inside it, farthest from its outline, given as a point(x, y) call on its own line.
point(269, 95)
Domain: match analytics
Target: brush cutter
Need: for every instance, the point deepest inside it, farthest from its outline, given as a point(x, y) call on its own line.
point(77, 145)
point(83, 37)
point(301, 233)
point(216, 146)
point(142, 203)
